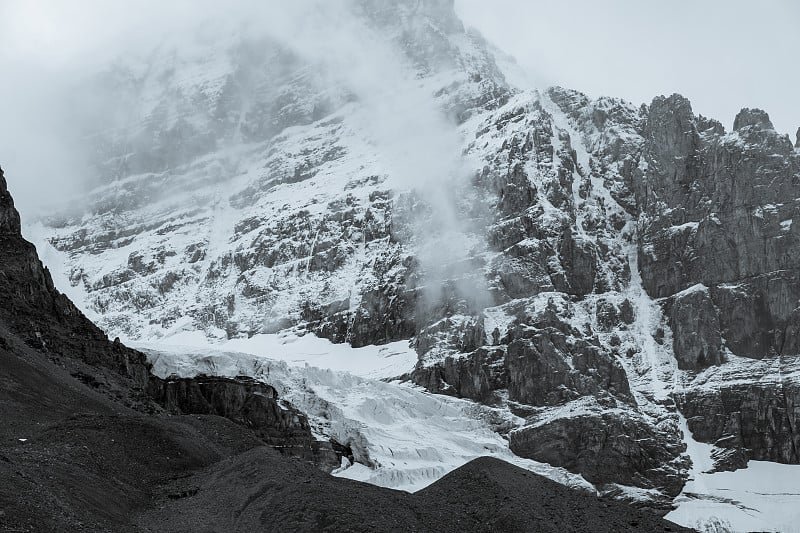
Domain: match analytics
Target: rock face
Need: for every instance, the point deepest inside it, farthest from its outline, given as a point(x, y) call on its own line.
point(606, 446)
point(695, 328)
point(725, 223)
point(750, 408)
point(723, 219)
point(246, 402)
point(752, 118)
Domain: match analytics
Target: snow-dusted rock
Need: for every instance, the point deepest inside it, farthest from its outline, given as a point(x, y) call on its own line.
point(522, 237)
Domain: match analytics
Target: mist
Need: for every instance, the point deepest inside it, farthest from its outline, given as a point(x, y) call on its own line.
point(50, 52)
point(49, 48)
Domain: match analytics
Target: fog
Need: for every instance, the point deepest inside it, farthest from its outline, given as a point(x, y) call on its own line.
point(49, 48)
point(722, 54)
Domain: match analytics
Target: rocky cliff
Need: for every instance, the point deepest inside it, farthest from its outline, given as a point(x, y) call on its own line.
point(78, 454)
point(611, 260)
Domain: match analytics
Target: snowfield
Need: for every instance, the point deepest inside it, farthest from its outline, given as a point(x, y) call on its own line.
point(762, 497)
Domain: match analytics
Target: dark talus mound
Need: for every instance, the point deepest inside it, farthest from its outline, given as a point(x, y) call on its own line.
point(254, 492)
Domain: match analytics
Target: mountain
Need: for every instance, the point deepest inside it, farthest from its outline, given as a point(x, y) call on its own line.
point(91, 440)
point(602, 272)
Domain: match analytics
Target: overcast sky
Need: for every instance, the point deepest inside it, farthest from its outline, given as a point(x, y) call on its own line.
point(721, 54)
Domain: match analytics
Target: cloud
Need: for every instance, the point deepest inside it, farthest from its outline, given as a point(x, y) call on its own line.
point(49, 47)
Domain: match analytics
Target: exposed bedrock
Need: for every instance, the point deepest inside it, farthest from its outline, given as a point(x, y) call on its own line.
point(717, 210)
point(759, 417)
point(247, 402)
point(579, 261)
point(543, 362)
point(540, 374)
point(608, 447)
point(695, 328)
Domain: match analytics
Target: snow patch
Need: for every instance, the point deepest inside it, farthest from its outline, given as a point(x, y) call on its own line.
point(376, 362)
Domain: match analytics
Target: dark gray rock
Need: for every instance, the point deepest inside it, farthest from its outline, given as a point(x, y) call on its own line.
point(672, 148)
point(579, 261)
point(696, 339)
point(758, 418)
point(247, 402)
point(755, 314)
point(546, 368)
point(752, 117)
point(522, 271)
point(607, 447)
point(721, 215)
point(728, 459)
point(9, 217)
point(475, 376)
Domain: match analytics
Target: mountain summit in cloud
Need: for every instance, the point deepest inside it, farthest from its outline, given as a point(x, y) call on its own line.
point(612, 289)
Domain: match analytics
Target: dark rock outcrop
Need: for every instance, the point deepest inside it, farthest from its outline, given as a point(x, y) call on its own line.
point(544, 363)
point(9, 217)
point(722, 215)
point(752, 117)
point(579, 260)
point(695, 328)
point(476, 376)
point(606, 447)
point(245, 401)
point(759, 416)
point(539, 373)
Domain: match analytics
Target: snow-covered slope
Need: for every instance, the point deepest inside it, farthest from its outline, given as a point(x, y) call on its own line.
point(761, 497)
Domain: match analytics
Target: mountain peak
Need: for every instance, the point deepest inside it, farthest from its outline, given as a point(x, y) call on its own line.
point(752, 117)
